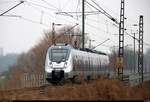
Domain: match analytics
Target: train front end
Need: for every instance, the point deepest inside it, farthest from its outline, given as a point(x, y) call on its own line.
point(58, 63)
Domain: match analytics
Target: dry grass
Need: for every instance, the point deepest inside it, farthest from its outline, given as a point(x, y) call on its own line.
point(101, 89)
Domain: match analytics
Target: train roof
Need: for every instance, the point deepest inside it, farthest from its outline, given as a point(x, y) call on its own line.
point(65, 45)
point(62, 45)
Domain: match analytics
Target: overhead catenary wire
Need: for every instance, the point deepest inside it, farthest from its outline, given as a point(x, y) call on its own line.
point(96, 35)
point(77, 13)
point(50, 15)
point(11, 8)
point(92, 25)
point(113, 19)
point(45, 7)
point(10, 15)
point(39, 10)
point(77, 8)
point(134, 37)
point(24, 18)
point(6, 2)
point(56, 10)
point(103, 12)
point(126, 33)
point(67, 2)
point(131, 20)
point(113, 24)
point(87, 24)
point(116, 14)
point(67, 31)
point(101, 43)
point(31, 3)
point(46, 13)
point(110, 23)
point(96, 21)
point(29, 20)
point(50, 5)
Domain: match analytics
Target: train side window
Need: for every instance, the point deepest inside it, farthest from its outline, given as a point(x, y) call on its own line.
point(76, 57)
point(99, 62)
point(100, 65)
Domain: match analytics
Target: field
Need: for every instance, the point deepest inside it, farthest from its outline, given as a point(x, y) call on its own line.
point(100, 89)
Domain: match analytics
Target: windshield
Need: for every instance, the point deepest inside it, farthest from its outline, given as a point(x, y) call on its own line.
point(58, 55)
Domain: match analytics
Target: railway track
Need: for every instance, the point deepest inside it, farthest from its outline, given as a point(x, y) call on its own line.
point(38, 81)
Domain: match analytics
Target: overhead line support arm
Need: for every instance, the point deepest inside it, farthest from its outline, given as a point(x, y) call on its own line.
point(11, 8)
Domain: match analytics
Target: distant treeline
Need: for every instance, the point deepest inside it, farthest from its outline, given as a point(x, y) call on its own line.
point(7, 61)
point(130, 59)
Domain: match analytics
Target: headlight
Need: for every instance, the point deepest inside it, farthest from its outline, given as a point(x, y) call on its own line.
point(50, 64)
point(65, 64)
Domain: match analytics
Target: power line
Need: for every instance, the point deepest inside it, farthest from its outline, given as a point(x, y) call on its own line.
point(48, 14)
point(77, 8)
point(67, 31)
point(6, 2)
point(93, 26)
point(96, 27)
point(67, 3)
point(105, 13)
point(100, 43)
point(96, 21)
point(116, 13)
point(137, 39)
point(40, 6)
point(77, 12)
point(50, 4)
point(12, 8)
point(29, 20)
point(113, 24)
point(72, 16)
point(109, 9)
point(10, 15)
point(23, 18)
point(101, 10)
point(66, 13)
point(37, 9)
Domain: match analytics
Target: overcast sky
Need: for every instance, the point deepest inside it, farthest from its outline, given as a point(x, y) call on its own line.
point(19, 34)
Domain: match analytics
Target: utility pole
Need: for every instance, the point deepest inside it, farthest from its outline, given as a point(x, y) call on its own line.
point(53, 32)
point(134, 64)
point(134, 48)
point(134, 52)
point(75, 42)
point(120, 65)
point(90, 41)
point(83, 1)
point(140, 54)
